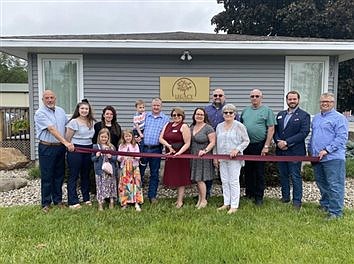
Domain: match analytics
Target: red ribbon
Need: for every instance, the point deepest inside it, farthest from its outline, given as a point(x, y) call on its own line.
point(207, 156)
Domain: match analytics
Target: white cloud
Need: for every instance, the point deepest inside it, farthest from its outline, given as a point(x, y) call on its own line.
point(83, 17)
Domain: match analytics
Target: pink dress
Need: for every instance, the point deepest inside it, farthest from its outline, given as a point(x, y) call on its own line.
point(177, 171)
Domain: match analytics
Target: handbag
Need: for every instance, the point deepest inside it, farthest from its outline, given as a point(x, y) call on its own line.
point(106, 165)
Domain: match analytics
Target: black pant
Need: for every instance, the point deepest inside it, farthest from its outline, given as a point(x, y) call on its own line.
point(254, 172)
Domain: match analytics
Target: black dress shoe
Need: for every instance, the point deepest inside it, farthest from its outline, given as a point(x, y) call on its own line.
point(297, 206)
point(258, 202)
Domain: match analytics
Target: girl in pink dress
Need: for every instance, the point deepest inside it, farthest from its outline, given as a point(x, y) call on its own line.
point(130, 190)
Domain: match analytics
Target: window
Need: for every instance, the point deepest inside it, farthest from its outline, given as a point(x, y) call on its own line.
point(308, 76)
point(64, 75)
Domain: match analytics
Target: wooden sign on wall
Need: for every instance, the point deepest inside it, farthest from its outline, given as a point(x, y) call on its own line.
point(184, 89)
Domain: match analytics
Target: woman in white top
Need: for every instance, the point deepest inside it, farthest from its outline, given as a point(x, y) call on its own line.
point(231, 139)
point(80, 131)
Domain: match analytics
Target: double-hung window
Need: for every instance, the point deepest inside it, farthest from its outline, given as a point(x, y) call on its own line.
point(309, 76)
point(62, 73)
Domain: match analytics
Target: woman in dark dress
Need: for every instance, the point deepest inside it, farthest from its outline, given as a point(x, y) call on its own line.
point(109, 121)
point(176, 137)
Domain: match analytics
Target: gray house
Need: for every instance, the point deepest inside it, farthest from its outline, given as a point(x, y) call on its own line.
point(118, 69)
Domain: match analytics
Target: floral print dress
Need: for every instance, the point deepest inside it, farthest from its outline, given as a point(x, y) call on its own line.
point(130, 189)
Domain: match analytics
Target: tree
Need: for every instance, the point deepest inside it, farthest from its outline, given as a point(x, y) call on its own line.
point(12, 69)
point(295, 18)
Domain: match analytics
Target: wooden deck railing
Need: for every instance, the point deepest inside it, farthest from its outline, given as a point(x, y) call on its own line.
point(14, 123)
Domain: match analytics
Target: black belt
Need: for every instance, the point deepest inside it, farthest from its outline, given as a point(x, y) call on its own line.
point(152, 146)
point(50, 143)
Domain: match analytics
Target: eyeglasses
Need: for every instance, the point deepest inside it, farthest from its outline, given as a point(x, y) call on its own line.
point(218, 95)
point(326, 102)
point(228, 113)
point(255, 96)
point(175, 115)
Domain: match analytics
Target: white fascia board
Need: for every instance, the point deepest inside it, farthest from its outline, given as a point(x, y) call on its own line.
point(178, 44)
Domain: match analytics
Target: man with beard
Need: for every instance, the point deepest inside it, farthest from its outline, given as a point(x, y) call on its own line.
point(293, 126)
point(215, 116)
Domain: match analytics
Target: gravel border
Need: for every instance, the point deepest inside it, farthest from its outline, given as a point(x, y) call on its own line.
point(30, 195)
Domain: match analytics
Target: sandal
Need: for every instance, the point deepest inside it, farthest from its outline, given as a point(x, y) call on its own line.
point(224, 207)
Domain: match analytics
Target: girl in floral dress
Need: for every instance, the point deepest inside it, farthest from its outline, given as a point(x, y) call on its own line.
point(106, 184)
point(130, 190)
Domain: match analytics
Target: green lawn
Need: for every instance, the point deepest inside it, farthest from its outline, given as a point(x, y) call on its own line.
point(274, 233)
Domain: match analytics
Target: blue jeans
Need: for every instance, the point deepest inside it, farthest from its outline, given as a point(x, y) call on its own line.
point(154, 164)
point(330, 179)
point(52, 166)
point(291, 170)
point(79, 164)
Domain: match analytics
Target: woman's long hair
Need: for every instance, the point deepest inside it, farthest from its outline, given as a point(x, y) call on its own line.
point(90, 118)
point(115, 129)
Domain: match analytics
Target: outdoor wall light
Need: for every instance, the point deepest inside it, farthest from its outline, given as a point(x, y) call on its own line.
point(186, 56)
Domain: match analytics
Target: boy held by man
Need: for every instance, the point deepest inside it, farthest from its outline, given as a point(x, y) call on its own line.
point(139, 124)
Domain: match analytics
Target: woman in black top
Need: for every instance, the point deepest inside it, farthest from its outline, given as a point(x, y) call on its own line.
point(109, 121)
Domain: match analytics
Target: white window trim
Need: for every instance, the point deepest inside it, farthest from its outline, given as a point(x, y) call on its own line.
point(80, 72)
point(322, 59)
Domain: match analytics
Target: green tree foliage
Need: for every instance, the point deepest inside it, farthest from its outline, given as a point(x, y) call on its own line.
point(295, 18)
point(12, 69)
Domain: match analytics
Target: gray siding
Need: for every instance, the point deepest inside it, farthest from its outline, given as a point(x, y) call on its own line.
point(120, 80)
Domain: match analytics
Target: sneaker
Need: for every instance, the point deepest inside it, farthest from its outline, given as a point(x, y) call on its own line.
point(75, 206)
point(137, 208)
point(89, 203)
point(45, 209)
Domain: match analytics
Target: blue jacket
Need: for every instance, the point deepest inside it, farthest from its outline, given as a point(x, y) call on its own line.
point(98, 161)
point(294, 133)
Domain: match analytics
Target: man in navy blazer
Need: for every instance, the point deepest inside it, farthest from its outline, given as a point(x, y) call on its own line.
point(293, 126)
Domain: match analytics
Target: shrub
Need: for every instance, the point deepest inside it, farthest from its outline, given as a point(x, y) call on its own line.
point(350, 150)
point(34, 172)
point(307, 173)
point(350, 168)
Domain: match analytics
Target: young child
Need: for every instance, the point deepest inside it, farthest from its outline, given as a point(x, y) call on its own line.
point(106, 184)
point(130, 190)
point(139, 124)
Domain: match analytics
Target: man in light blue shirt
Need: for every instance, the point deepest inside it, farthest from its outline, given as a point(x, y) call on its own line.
point(50, 123)
point(328, 142)
point(154, 123)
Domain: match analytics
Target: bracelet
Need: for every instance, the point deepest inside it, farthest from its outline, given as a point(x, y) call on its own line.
point(206, 150)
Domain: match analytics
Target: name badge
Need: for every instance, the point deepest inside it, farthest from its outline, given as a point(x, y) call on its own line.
point(175, 130)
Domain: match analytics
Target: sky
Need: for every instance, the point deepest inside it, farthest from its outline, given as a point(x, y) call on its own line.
point(51, 17)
